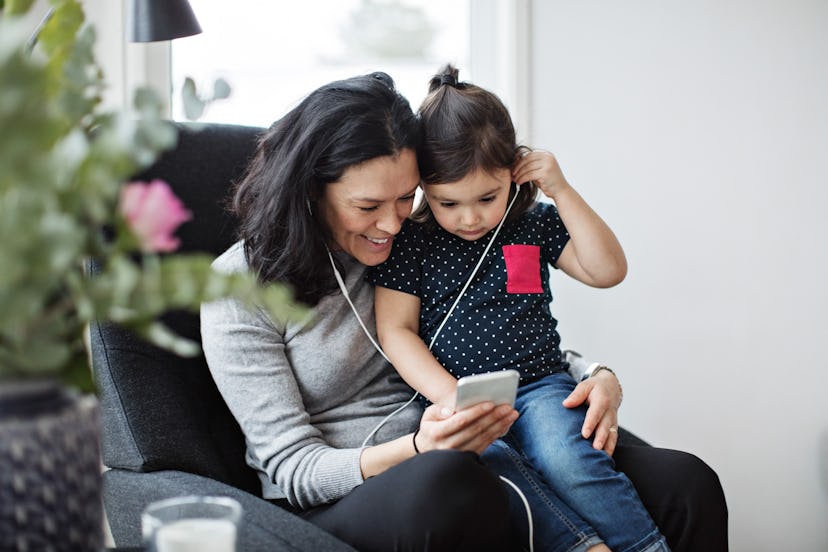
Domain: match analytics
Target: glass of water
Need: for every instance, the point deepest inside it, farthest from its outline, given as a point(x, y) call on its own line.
point(191, 524)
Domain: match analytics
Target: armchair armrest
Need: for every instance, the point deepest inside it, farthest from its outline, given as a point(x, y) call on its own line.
point(265, 527)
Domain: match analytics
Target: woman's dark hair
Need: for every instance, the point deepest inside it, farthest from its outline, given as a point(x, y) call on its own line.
point(337, 126)
point(465, 128)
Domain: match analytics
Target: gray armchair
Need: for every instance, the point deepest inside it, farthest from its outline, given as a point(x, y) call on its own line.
point(166, 429)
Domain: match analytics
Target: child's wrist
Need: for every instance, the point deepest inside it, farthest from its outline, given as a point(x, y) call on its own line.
point(447, 396)
point(560, 191)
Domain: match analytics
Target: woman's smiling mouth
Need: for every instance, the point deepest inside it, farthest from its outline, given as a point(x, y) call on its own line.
point(377, 241)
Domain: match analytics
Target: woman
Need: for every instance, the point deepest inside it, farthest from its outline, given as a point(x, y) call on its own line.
point(327, 191)
point(340, 171)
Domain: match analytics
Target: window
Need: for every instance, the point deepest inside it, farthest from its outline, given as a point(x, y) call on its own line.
point(273, 53)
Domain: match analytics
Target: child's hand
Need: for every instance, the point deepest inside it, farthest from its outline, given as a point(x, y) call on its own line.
point(542, 168)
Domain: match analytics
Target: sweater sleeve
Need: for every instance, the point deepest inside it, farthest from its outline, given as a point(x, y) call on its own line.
point(246, 355)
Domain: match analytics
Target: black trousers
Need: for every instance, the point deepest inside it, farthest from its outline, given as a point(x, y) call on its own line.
point(682, 493)
point(437, 501)
point(449, 501)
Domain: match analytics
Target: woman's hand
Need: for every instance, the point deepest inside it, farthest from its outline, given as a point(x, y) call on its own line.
point(543, 169)
point(602, 393)
point(473, 428)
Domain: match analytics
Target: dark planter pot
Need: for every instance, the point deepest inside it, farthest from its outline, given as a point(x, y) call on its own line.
point(50, 471)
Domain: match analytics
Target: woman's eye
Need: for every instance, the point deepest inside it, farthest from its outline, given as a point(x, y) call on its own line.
point(368, 209)
point(408, 198)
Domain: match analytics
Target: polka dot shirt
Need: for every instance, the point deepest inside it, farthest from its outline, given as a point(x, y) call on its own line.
point(503, 320)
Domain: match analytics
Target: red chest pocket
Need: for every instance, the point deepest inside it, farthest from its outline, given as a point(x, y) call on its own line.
point(523, 273)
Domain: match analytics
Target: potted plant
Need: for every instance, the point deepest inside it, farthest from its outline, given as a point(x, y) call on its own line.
point(63, 201)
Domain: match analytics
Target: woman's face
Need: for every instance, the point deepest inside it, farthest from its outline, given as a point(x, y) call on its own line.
point(366, 207)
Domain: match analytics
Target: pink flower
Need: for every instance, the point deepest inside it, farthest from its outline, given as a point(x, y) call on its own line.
point(153, 213)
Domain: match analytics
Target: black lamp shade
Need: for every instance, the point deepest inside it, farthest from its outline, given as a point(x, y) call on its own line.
point(154, 20)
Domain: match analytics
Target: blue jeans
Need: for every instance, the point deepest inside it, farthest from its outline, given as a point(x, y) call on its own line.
point(577, 497)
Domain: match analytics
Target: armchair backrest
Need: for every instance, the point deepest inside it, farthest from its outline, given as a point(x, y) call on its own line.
point(161, 411)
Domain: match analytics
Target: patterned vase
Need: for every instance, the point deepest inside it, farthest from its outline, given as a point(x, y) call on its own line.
point(50, 471)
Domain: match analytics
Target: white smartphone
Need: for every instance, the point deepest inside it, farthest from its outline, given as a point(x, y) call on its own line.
point(499, 387)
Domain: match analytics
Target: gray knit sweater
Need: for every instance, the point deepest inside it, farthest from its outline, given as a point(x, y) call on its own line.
point(305, 395)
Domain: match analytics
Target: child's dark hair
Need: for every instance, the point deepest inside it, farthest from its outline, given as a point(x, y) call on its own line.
point(466, 128)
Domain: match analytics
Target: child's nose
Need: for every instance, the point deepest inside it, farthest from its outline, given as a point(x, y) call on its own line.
point(469, 216)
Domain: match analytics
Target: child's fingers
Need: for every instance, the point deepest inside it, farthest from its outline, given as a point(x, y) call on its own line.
point(526, 171)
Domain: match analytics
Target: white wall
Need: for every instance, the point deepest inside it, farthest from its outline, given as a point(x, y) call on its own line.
point(699, 130)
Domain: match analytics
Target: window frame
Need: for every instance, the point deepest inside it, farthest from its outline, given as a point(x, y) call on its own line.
point(500, 53)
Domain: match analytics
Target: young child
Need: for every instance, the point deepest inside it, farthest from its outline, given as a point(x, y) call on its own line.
point(468, 164)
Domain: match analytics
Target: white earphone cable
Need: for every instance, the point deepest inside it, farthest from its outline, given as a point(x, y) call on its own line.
point(376, 345)
point(474, 272)
point(344, 291)
point(528, 512)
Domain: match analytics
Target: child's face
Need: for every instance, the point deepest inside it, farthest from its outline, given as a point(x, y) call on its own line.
point(473, 205)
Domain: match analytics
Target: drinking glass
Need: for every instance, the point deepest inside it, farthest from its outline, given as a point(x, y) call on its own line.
point(191, 524)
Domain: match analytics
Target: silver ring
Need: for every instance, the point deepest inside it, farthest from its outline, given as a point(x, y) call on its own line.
point(613, 429)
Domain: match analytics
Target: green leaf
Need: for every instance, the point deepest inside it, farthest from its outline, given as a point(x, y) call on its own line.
point(57, 36)
point(221, 89)
point(158, 334)
point(78, 374)
point(193, 105)
point(16, 7)
point(147, 100)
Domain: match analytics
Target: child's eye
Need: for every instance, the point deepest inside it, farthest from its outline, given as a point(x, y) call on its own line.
point(487, 199)
point(447, 204)
point(408, 197)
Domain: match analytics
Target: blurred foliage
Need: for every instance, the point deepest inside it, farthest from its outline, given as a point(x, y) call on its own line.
point(62, 163)
point(388, 29)
point(195, 104)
